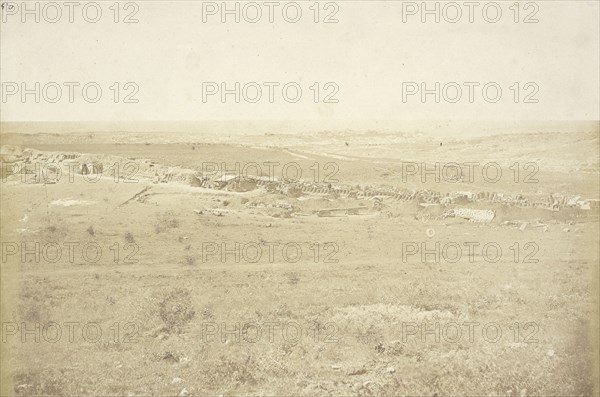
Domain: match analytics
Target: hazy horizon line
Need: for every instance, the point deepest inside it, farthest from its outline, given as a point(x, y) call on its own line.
point(290, 127)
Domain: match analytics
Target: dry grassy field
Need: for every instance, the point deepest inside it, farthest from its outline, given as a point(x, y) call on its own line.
point(164, 273)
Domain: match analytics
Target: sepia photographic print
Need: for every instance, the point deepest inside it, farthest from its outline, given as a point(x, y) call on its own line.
point(300, 198)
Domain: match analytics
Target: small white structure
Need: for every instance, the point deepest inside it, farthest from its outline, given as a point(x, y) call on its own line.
point(484, 216)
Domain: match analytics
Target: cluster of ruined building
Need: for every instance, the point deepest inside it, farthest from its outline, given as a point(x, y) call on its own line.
point(157, 173)
point(427, 197)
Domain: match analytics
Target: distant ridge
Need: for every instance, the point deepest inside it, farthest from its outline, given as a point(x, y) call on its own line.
point(241, 127)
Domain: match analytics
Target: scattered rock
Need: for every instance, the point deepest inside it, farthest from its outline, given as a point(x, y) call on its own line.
point(357, 371)
point(156, 332)
point(566, 230)
point(169, 357)
point(184, 360)
point(523, 393)
point(184, 393)
point(335, 367)
point(550, 353)
point(391, 370)
point(176, 381)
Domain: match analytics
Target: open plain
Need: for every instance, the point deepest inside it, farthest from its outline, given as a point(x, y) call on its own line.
point(315, 265)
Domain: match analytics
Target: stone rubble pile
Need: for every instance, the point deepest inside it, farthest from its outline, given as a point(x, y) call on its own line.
point(425, 197)
point(24, 162)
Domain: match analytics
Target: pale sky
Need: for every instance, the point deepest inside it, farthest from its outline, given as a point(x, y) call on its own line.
point(370, 55)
